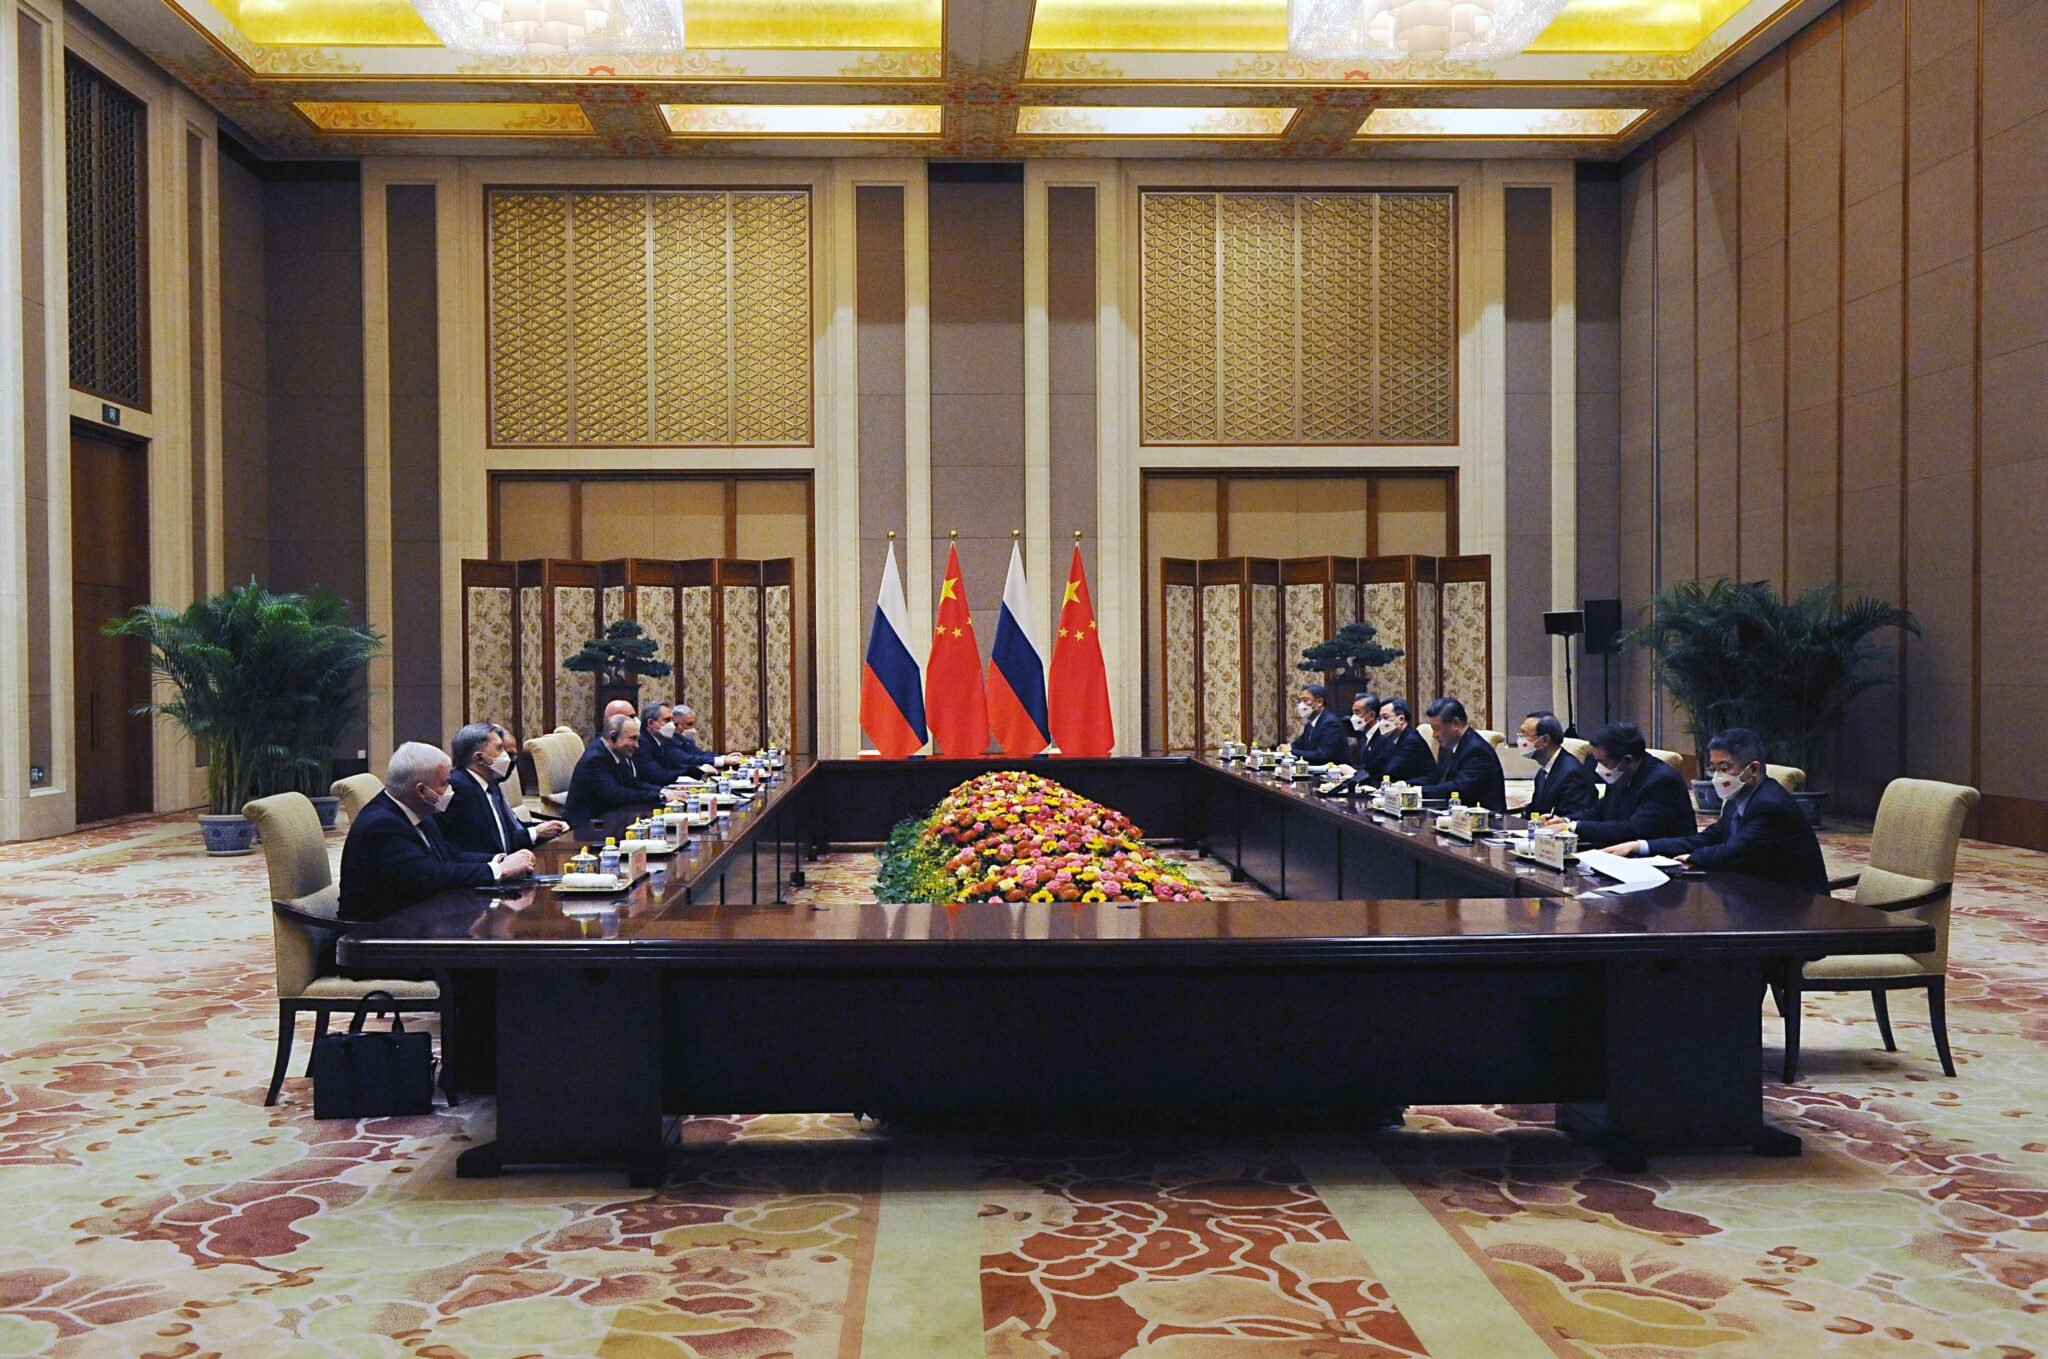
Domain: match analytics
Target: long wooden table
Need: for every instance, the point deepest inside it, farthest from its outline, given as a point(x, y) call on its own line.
point(1402, 968)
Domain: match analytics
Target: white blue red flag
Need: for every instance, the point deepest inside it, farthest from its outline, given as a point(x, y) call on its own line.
point(891, 687)
point(1016, 672)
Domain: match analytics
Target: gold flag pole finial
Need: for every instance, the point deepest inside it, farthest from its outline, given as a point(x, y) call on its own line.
point(1016, 533)
point(1077, 537)
point(953, 535)
point(892, 535)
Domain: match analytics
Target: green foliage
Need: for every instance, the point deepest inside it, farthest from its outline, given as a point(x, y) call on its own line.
point(913, 867)
point(1737, 654)
point(1352, 650)
point(266, 682)
point(622, 656)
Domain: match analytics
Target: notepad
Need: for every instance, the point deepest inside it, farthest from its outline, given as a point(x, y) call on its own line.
point(1630, 875)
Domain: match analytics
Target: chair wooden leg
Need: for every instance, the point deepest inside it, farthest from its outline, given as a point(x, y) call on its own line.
point(287, 1021)
point(1937, 1012)
point(1884, 1020)
point(1790, 1005)
point(449, 1024)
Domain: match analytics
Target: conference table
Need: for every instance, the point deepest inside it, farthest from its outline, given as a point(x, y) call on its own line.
point(1394, 967)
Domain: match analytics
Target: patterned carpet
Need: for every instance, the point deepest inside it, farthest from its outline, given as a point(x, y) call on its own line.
point(153, 1207)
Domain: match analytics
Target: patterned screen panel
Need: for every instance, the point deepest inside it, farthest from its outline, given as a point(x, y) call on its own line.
point(696, 687)
point(1222, 666)
point(533, 665)
point(740, 617)
point(103, 130)
point(487, 634)
point(1428, 681)
point(1179, 677)
point(631, 317)
point(1386, 608)
point(575, 692)
point(1465, 647)
point(1281, 318)
point(778, 661)
point(1266, 664)
point(655, 608)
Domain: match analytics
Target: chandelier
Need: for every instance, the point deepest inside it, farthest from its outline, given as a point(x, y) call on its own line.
point(1395, 30)
point(545, 28)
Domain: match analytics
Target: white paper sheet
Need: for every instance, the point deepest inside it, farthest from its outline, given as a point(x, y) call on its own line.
point(1630, 875)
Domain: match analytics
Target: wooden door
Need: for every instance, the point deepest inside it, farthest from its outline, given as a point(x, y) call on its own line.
point(109, 576)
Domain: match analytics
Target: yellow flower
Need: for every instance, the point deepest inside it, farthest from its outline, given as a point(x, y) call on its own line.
point(1093, 895)
point(1041, 896)
point(1088, 875)
point(1008, 884)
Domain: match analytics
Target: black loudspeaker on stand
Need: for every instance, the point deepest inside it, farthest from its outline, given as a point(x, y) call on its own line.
point(1603, 639)
point(1566, 624)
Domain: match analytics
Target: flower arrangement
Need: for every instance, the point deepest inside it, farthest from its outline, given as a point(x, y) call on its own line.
point(1020, 837)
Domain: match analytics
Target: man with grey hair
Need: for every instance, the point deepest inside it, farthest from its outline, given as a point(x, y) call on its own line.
point(395, 855)
point(608, 776)
point(478, 817)
point(661, 748)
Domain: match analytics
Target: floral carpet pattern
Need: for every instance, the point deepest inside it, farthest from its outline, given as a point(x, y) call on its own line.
point(154, 1207)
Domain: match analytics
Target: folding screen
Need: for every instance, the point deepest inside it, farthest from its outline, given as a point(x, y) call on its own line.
point(1465, 590)
point(1239, 640)
point(490, 664)
point(1320, 596)
point(1180, 676)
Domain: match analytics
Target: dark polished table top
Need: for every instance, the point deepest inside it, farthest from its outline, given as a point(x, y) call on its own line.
point(653, 924)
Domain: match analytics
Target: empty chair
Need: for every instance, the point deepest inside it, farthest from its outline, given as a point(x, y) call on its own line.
point(303, 903)
point(554, 763)
point(1791, 779)
point(1912, 869)
point(1580, 750)
point(355, 792)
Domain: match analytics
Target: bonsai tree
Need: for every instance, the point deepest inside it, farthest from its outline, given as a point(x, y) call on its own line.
point(1352, 651)
point(619, 659)
point(1738, 654)
point(263, 682)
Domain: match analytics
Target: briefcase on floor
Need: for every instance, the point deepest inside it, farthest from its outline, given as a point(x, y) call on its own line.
point(373, 1074)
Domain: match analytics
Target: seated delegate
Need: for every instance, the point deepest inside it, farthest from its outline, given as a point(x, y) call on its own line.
point(395, 855)
point(1563, 785)
point(1322, 739)
point(1646, 799)
point(1761, 831)
point(1466, 762)
point(608, 778)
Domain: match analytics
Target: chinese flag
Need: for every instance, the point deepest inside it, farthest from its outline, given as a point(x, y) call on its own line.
point(1077, 696)
point(955, 707)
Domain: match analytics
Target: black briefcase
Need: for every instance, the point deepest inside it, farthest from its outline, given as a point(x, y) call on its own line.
point(376, 1074)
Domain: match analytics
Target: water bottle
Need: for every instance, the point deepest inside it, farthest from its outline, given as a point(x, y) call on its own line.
point(608, 857)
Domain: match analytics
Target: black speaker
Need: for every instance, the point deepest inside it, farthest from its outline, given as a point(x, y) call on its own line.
point(1603, 627)
point(1563, 623)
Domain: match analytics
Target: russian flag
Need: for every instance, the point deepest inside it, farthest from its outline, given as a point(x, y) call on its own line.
point(1016, 672)
point(891, 687)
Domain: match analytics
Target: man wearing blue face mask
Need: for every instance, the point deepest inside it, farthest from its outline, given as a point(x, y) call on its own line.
point(1761, 830)
point(1645, 799)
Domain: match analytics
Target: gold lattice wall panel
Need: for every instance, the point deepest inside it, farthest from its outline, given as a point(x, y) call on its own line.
point(636, 317)
point(1312, 318)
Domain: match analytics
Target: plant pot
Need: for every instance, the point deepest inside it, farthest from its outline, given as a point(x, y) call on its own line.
point(1815, 805)
point(226, 835)
point(329, 809)
point(1704, 797)
point(607, 693)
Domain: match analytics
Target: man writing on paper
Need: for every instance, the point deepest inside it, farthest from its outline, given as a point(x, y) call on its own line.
point(1761, 831)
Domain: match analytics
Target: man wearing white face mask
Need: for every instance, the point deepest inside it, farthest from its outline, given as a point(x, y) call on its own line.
point(478, 817)
point(1563, 787)
point(1761, 830)
point(661, 751)
point(1365, 735)
point(1322, 735)
point(395, 855)
point(1645, 798)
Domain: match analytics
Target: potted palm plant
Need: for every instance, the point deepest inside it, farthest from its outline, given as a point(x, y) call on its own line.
point(254, 679)
point(1739, 654)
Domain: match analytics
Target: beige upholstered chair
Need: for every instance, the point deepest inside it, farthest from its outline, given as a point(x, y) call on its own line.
point(515, 794)
point(1580, 750)
point(1912, 869)
point(303, 912)
point(1493, 738)
point(1687, 767)
point(355, 792)
point(554, 763)
point(1791, 779)
point(1429, 739)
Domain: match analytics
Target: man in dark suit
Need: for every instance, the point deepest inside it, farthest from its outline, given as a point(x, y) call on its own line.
point(607, 776)
point(478, 817)
point(1365, 732)
point(1761, 830)
point(693, 749)
point(1407, 758)
point(1646, 798)
point(1466, 761)
point(1563, 787)
point(1322, 734)
point(395, 855)
point(661, 747)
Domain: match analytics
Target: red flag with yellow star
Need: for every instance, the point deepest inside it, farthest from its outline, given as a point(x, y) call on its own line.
point(1077, 694)
point(955, 707)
